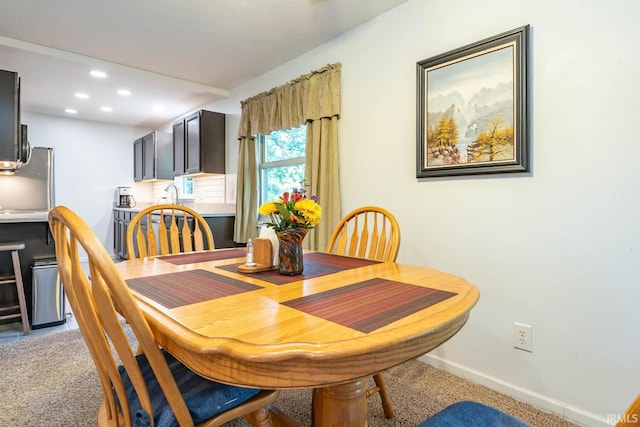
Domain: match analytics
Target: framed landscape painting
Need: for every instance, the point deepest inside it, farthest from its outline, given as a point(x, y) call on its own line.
point(472, 115)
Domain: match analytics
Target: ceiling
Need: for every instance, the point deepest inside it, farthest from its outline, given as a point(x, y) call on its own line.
point(173, 56)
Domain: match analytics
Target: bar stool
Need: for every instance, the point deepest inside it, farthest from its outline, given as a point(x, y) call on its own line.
point(15, 278)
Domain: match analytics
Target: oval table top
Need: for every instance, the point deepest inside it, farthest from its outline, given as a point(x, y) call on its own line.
point(342, 320)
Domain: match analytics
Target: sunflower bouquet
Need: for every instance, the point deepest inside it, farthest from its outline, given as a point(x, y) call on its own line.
point(292, 210)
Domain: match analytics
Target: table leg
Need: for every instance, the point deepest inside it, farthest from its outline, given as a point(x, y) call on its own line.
point(340, 405)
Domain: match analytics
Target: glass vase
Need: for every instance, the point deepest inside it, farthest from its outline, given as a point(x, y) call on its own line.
point(290, 251)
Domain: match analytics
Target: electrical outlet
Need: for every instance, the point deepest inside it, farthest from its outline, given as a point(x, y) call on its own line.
point(522, 337)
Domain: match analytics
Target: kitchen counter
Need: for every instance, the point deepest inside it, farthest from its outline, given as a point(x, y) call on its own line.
point(7, 216)
point(206, 210)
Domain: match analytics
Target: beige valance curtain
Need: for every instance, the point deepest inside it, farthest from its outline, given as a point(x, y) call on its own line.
point(312, 99)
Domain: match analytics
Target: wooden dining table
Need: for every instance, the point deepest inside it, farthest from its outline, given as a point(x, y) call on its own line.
point(329, 329)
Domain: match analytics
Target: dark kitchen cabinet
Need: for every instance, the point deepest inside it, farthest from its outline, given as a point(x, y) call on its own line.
point(222, 229)
point(179, 165)
point(13, 136)
point(199, 144)
point(153, 157)
point(138, 159)
point(121, 220)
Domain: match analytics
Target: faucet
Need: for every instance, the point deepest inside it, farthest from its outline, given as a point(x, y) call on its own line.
point(175, 190)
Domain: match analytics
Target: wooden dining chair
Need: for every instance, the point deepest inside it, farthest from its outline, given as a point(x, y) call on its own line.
point(368, 232)
point(174, 229)
point(373, 233)
point(149, 387)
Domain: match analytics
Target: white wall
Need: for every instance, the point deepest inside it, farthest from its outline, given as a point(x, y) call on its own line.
point(91, 160)
point(559, 248)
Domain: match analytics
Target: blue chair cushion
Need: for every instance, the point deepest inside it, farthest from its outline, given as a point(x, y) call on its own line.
point(465, 414)
point(204, 398)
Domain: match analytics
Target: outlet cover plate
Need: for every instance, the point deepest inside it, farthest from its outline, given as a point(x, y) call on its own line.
point(522, 337)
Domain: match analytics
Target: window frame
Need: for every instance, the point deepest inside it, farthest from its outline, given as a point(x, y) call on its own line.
point(264, 165)
point(181, 183)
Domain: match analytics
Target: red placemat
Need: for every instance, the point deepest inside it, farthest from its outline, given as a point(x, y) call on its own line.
point(315, 264)
point(188, 287)
point(369, 305)
point(192, 258)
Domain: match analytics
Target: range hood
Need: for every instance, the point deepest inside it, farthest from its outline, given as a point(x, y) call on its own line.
point(14, 147)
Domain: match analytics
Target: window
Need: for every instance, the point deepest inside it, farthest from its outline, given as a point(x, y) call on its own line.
point(185, 184)
point(281, 161)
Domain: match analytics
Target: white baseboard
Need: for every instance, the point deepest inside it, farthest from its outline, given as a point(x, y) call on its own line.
point(542, 402)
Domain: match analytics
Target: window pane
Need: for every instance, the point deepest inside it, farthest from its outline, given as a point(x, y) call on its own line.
point(278, 180)
point(185, 184)
point(285, 144)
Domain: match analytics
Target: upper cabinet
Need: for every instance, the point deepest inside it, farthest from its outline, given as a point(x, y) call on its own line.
point(199, 144)
point(14, 148)
point(152, 157)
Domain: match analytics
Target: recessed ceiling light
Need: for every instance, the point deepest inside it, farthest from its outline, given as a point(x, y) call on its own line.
point(82, 95)
point(124, 92)
point(97, 73)
point(106, 108)
point(71, 111)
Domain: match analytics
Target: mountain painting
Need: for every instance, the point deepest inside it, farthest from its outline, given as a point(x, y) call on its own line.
point(472, 108)
point(469, 112)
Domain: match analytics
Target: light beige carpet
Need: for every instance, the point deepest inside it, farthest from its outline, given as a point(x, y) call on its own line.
point(51, 381)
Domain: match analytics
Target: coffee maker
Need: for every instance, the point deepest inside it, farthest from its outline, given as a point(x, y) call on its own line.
point(125, 198)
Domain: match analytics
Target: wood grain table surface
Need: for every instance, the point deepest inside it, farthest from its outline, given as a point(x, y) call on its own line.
point(343, 320)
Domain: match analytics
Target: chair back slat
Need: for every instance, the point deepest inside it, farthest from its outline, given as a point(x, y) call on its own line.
point(341, 246)
point(179, 229)
point(163, 240)
point(141, 241)
point(198, 237)
point(364, 236)
point(174, 235)
point(369, 232)
point(376, 237)
point(94, 296)
point(382, 251)
point(355, 238)
point(187, 238)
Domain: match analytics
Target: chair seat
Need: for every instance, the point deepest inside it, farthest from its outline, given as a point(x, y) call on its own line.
point(204, 398)
point(467, 414)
